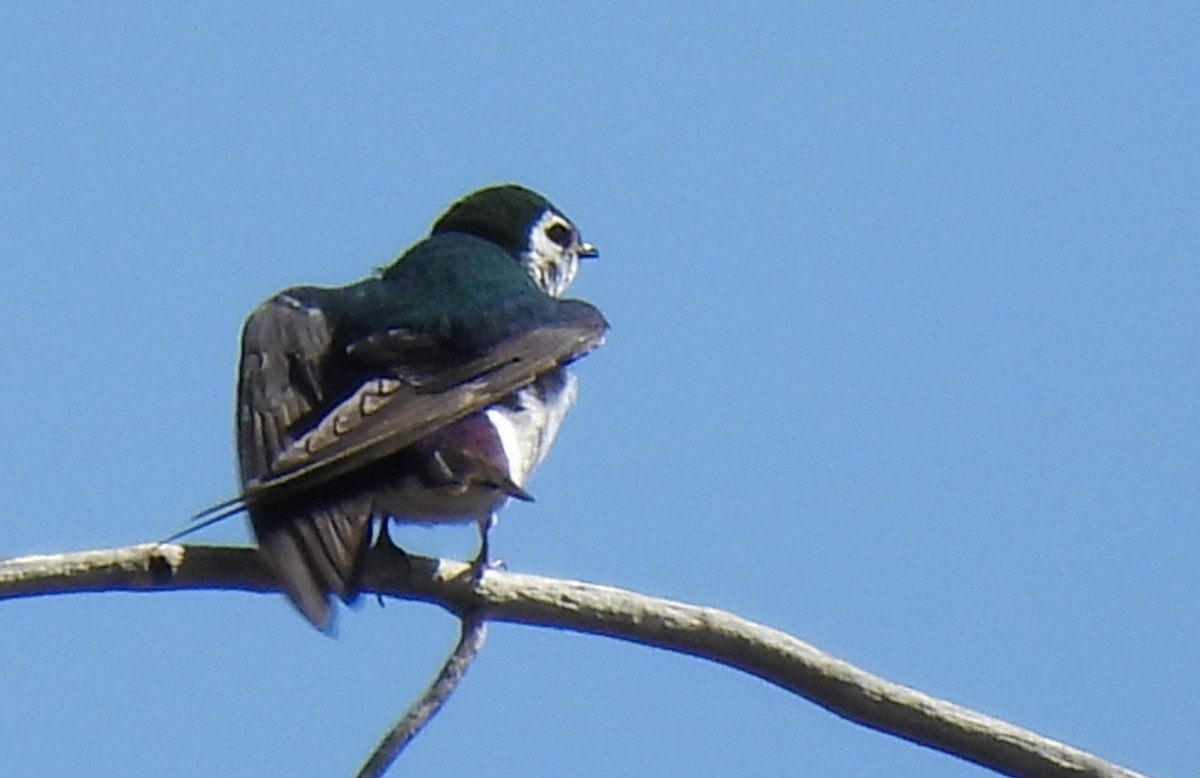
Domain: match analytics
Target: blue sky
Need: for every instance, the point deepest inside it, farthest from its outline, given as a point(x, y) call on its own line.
point(904, 361)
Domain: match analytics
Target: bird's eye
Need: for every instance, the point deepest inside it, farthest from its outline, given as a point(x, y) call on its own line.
point(559, 233)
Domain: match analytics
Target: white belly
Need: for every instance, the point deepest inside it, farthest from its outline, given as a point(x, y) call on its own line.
point(525, 425)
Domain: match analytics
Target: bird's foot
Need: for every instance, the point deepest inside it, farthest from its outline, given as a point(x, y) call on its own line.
point(480, 564)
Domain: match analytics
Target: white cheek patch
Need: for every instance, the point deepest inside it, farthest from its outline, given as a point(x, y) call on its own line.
point(539, 242)
point(552, 267)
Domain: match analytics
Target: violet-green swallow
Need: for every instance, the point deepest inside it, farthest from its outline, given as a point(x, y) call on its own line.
point(427, 393)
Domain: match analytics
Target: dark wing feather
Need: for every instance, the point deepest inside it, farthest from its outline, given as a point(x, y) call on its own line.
point(279, 381)
point(313, 546)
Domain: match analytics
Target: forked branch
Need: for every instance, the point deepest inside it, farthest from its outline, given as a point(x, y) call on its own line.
point(712, 634)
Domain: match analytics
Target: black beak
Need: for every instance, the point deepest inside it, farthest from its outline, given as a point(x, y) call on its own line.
point(587, 251)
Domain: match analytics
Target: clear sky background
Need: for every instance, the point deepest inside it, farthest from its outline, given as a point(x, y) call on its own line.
point(904, 361)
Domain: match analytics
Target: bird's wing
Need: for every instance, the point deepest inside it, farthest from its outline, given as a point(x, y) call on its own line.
point(314, 545)
point(389, 413)
point(284, 343)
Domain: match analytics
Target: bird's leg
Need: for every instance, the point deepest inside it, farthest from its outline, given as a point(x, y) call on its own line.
point(482, 562)
point(384, 545)
point(384, 542)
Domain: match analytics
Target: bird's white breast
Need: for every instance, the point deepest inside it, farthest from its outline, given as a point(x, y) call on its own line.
point(528, 423)
point(525, 425)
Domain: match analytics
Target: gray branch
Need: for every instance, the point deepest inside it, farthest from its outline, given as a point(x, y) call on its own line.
point(709, 633)
point(474, 632)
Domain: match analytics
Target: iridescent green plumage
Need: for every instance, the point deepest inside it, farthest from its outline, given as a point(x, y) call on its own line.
point(499, 214)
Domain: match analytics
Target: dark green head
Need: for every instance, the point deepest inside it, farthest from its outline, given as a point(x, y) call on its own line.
point(526, 225)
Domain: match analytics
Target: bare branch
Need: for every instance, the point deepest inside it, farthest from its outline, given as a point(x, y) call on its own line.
point(526, 599)
point(474, 632)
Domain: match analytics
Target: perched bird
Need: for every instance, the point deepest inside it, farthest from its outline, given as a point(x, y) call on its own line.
point(427, 393)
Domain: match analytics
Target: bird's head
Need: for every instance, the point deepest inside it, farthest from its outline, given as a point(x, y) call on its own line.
point(528, 226)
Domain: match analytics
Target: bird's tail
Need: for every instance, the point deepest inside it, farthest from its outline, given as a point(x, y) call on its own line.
point(315, 552)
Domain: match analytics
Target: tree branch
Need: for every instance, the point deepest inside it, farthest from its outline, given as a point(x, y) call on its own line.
point(474, 632)
point(712, 634)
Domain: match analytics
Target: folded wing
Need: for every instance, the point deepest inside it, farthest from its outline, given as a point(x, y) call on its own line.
point(318, 419)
